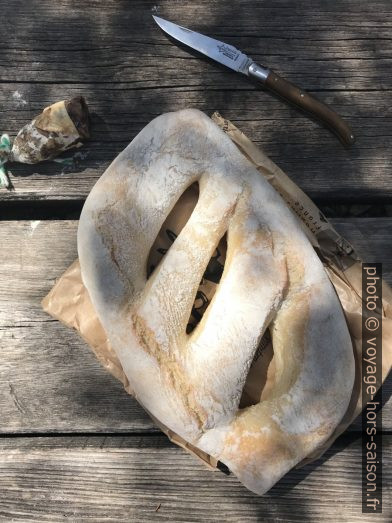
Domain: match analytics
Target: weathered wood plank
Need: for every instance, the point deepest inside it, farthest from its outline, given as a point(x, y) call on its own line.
point(49, 380)
point(148, 479)
point(309, 154)
point(114, 55)
point(344, 45)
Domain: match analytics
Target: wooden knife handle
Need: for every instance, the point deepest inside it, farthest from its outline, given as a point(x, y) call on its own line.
point(305, 101)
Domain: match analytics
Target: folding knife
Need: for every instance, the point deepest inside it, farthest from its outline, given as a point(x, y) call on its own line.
point(234, 59)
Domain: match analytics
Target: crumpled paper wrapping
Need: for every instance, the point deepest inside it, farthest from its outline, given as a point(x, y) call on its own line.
point(69, 302)
point(61, 126)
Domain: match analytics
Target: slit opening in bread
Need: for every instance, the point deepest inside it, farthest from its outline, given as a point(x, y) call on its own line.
point(172, 226)
point(209, 284)
point(261, 373)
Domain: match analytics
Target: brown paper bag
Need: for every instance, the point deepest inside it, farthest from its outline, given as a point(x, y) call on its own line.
point(69, 301)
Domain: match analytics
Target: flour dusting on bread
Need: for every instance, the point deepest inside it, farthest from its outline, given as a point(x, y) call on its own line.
point(272, 279)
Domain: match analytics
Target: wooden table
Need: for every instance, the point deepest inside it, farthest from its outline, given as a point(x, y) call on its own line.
point(74, 446)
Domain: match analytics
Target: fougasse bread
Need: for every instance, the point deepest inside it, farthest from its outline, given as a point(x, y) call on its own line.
point(272, 279)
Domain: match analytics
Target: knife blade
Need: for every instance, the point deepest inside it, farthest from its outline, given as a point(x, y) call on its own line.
point(236, 60)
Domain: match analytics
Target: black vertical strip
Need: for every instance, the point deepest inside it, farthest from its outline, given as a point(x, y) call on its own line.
point(371, 382)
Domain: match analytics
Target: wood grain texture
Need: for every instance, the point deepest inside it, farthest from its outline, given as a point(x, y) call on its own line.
point(49, 379)
point(115, 55)
point(131, 479)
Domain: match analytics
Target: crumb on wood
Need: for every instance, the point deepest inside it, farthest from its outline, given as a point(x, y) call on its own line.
point(33, 225)
point(18, 97)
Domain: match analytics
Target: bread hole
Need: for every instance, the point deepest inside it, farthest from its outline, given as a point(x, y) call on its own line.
point(172, 226)
point(209, 284)
point(169, 231)
point(260, 377)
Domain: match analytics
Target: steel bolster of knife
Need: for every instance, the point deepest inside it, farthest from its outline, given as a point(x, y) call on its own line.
point(258, 71)
point(231, 57)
